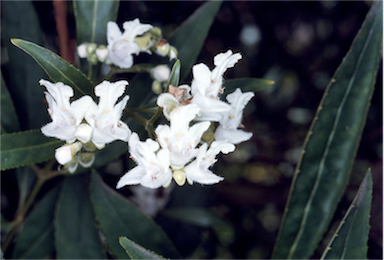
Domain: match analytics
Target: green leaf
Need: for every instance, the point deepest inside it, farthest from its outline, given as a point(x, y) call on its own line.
point(351, 237)
point(196, 216)
point(118, 217)
point(92, 18)
point(174, 77)
point(76, 236)
point(9, 120)
point(193, 33)
point(331, 144)
point(58, 69)
point(246, 84)
point(23, 148)
point(136, 251)
point(35, 240)
point(22, 74)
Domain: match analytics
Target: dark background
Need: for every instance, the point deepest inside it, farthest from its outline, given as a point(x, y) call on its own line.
point(299, 46)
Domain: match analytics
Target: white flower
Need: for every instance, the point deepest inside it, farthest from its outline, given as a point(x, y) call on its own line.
point(66, 117)
point(179, 138)
point(197, 171)
point(104, 118)
point(121, 46)
point(206, 85)
point(152, 170)
point(231, 121)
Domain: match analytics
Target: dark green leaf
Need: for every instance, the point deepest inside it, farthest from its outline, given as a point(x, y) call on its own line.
point(118, 217)
point(23, 148)
point(246, 84)
point(23, 74)
point(193, 33)
point(92, 18)
point(195, 216)
point(351, 237)
point(330, 146)
point(57, 68)
point(136, 251)
point(174, 77)
point(35, 240)
point(9, 120)
point(76, 236)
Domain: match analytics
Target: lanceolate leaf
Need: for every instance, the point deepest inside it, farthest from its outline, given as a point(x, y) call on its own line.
point(331, 144)
point(23, 148)
point(174, 77)
point(57, 68)
point(92, 18)
point(351, 237)
point(136, 251)
point(246, 84)
point(35, 241)
point(193, 33)
point(9, 120)
point(119, 217)
point(76, 236)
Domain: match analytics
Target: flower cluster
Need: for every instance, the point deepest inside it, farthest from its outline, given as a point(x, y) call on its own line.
point(135, 38)
point(180, 151)
point(82, 123)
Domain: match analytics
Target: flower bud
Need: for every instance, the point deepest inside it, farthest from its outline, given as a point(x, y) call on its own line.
point(82, 50)
point(102, 53)
point(156, 87)
point(172, 53)
point(86, 159)
point(144, 42)
point(179, 177)
point(66, 153)
point(162, 47)
point(161, 73)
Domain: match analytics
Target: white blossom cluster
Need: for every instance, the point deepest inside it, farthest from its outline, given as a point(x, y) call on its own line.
point(201, 125)
point(179, 151)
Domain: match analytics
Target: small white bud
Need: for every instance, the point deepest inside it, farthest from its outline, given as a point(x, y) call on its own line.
point(156, 87)
point(102, 53)
point(82, 50)
point(172, 53)
point(66, 153)
point(179, 177)
point(161, 73)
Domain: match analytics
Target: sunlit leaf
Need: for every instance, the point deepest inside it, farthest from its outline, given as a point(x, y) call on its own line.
point(76, 236)
point(351, 237)
point(23, 148)
point(118, 217)
point(136, 251)
point(330, 146)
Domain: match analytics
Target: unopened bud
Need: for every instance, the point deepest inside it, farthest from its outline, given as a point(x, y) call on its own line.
point(161, 73)
point(66, 153)
point(86, 159)
point(83, 133)
point(144, 41)
point(102, 53)
point(172, 53)
point(179, 177)
point(82, 50)
point(156, 87)
point(162, 48)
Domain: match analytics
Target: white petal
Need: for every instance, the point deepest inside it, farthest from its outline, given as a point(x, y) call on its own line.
point(113, 32)
point(201, 79)
point(133, 176)
point(83, 133)
point(60, 130)
point(195, 174)
point(109, 93)
point(234, 136)
point(81, 106)
point(134, 28)
point(223, 61)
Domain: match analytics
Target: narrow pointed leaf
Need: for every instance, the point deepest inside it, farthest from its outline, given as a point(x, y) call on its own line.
point(136, 251)
point(193, 32)
point(76, 236)
point(246, 84)
point(92, 18)
point(23, 148)
point(331, 144)
point(351, 237)
point(9, 119)
point(22, 73)
point(35, 241)
point(118, 217)
point(57, 68)
point(174, 77)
